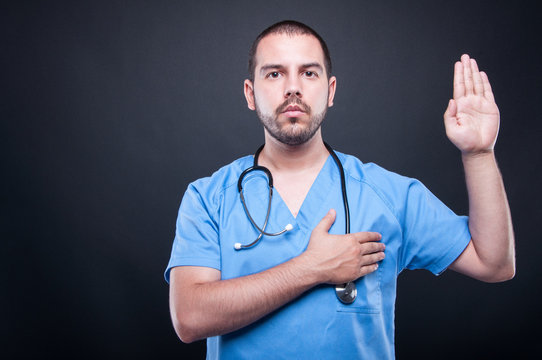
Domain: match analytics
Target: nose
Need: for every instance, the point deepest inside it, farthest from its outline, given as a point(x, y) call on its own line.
point(293, 87)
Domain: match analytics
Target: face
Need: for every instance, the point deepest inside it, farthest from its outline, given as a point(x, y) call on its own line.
point(291, 90)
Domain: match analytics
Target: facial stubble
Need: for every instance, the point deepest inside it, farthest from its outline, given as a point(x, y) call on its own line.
point(292, 135)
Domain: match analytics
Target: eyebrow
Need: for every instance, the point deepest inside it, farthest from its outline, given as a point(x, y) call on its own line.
point(268, 67)
point(313, 65)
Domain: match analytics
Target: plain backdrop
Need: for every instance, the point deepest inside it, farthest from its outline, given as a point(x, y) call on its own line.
point(110, 108)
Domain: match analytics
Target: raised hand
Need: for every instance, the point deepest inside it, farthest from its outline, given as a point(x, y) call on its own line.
point(472, 116)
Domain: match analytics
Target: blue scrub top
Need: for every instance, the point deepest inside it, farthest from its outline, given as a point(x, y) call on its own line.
point(418, 229)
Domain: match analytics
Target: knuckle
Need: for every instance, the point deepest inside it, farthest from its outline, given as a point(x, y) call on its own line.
point(355, 251)
point(369, 248)
point(356, 237)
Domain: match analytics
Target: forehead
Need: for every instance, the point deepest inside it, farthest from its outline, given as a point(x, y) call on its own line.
point(287, 50)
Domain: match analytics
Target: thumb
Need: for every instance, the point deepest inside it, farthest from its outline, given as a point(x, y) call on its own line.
point(326, 221)
point(451, 111)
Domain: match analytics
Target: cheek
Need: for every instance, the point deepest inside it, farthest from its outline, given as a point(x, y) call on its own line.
point(263, 101)
point(320, 102)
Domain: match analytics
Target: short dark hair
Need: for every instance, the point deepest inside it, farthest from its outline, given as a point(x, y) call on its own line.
point(291, 28)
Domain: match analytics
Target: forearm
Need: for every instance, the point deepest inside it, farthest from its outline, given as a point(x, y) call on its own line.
point(219, 307)
point(203, 305)
point(490, 222)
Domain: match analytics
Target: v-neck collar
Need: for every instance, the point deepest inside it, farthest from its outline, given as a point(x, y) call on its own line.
point(312, 209)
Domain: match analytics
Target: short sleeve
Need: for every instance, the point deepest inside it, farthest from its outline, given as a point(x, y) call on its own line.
point(434, 236)
point(196, 235)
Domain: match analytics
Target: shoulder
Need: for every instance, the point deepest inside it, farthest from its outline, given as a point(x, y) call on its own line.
point(210, 187)
point(373, 174)
point(390, 187)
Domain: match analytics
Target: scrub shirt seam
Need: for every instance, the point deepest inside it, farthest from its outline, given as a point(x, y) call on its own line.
point(456, 246)
point(369, 309)
point(391, 209)
point(377, 191)
point(194, 261)
point(220, 190)
point(388, 205)
point(219, 194)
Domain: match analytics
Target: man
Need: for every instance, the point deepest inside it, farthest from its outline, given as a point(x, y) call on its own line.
point(277, 299)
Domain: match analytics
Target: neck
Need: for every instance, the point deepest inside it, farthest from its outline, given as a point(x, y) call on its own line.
point(279, 157)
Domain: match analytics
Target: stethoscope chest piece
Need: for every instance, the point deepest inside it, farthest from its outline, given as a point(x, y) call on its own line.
point(346, 292)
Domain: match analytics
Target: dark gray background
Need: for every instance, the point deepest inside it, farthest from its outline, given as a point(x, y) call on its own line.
point(109, 110)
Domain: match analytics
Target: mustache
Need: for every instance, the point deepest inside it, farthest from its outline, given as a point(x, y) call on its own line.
point(293, 101)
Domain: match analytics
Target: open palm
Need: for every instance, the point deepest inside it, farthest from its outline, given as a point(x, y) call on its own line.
point(472, 116)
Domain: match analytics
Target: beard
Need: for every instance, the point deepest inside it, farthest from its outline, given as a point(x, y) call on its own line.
point(292, 133)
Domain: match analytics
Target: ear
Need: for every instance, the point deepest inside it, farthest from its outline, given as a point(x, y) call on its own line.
point(249, 94)
point(331, 87)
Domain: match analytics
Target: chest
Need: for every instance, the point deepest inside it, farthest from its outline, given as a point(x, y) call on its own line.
point(367, 213)
point(293, 189)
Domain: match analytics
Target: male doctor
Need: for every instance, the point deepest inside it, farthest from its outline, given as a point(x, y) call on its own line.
point(277, 299)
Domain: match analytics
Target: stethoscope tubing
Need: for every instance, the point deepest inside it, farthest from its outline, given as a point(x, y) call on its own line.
point(261, 230)
point(343, 188)
point(347, 292)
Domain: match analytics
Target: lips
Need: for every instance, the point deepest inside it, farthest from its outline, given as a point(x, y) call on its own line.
point(293, 108)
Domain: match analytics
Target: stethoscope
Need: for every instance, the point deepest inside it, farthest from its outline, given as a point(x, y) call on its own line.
point(346, 293)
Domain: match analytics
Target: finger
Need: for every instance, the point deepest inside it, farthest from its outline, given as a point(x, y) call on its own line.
point(459, 80)
point(366, 236)
point(367, 269)
point(477, 79)
point(372, 248)
point(372, 258)
point(450, 113)
point(488, 93)
point(467, 73)
point(326, 221)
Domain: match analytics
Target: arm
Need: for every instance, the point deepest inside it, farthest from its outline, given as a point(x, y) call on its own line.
point(472, 124)
point(202, 305)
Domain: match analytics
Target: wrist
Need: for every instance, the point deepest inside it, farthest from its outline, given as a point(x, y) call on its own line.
point(307, 270)
point(478, 156)
point(479, 164)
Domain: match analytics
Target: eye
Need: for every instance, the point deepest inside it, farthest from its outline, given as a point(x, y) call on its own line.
point(310, 74)
point(273, 75)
